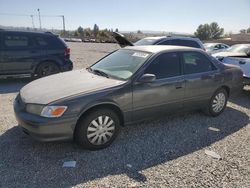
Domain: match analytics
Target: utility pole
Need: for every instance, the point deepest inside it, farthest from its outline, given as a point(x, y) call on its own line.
point(32, 20)
point(63, 25)
point(38, 10)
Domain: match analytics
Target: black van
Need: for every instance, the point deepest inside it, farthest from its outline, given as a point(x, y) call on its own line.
point(28, 54)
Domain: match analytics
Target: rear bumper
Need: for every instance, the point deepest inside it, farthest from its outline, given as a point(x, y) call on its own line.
point(68, 66)
point(45, 129)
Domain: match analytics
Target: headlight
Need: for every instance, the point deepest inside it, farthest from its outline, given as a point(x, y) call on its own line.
point(34, 108)
point(46, 111)
point(53, 111)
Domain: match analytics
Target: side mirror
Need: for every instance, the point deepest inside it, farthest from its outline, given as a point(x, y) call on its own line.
point(146, 78)
point(216, 48)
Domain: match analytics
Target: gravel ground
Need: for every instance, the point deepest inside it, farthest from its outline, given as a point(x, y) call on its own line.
point(168, 152)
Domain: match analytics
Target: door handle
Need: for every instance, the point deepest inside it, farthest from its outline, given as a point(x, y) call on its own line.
point(178, 85)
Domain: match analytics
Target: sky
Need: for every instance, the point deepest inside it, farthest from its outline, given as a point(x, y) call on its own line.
point(128, 15)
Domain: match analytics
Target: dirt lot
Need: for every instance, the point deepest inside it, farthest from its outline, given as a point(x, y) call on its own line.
point(169, 152)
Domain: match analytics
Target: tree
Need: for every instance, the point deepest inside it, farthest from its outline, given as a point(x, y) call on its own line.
point(116, 30)
point(209, 31)
point(215, 31)
point(80, 31)
point(139, 32)
point(95, 30)
point(248, 30)
point(242, 31)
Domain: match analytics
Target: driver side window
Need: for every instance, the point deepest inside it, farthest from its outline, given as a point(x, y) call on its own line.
point(165, 66)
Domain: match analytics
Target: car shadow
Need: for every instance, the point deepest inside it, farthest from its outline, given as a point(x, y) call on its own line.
point(13, 85)
point(138, 147)
point(242, 98)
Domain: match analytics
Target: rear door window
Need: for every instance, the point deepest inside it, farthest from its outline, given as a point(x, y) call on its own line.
point(16, 41)
point(195, 62)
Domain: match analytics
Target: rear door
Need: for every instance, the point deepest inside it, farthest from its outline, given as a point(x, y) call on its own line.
point(202, 78)
point(18, 53)
point(162, 95)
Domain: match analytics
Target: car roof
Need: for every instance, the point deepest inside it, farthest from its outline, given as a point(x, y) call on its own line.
point(26, 31)
point(159, 48)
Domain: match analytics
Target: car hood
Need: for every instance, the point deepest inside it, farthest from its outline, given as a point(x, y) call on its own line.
point(121, 40)
point(58, 86)
point(229, 54)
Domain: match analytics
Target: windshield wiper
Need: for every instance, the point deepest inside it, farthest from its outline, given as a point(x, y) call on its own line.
point(98, 72)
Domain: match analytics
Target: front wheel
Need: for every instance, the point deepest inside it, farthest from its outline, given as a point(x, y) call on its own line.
point(98, 129)
point(217, 103)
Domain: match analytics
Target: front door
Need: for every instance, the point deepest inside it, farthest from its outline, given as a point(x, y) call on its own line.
point(162, 95)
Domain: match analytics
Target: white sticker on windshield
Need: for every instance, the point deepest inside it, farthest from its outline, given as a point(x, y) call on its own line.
point(140, 54)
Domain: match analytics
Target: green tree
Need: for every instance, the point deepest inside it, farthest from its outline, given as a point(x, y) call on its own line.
point(116, 30)
point(87, 32)
point(209, 31)
point(95, 30)
point(139, 32)
point(80, 31)
point(243, 31)
point(248, 30)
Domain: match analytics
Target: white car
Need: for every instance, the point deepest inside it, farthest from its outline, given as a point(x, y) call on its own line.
point(238, 54)
point(215, 47)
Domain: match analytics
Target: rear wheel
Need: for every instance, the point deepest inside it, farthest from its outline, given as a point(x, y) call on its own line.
point(98, 129)
point(46, 69)
point(217, 103)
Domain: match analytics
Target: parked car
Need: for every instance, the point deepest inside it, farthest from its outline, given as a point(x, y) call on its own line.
point(163, 40)
point(24, 53)
point(239, 55)
point(215, 47)
point(129, 85)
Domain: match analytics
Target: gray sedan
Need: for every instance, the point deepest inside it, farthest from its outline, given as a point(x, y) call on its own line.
point(129, 85)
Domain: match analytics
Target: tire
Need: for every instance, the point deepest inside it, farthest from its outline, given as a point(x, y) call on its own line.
point(90, 130)
point(46, 69)
point(217, 103)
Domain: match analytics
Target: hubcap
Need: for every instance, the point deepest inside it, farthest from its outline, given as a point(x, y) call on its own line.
point(219, 102)
point(100, 130)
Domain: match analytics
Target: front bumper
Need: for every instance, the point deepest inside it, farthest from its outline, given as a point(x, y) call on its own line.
point(44, 129)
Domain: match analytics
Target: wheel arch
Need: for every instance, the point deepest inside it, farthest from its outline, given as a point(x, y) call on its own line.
point(107, 105)
point(227, 88)
point(45, 61)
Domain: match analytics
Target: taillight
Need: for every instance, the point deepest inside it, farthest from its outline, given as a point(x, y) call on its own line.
point(67, 52)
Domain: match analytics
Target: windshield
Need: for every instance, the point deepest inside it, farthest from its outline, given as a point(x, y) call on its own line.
point(121, 64)
point(240, 48)
point(145, 42)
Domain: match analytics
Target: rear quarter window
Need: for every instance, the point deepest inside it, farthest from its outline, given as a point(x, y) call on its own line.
point(50, 42)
